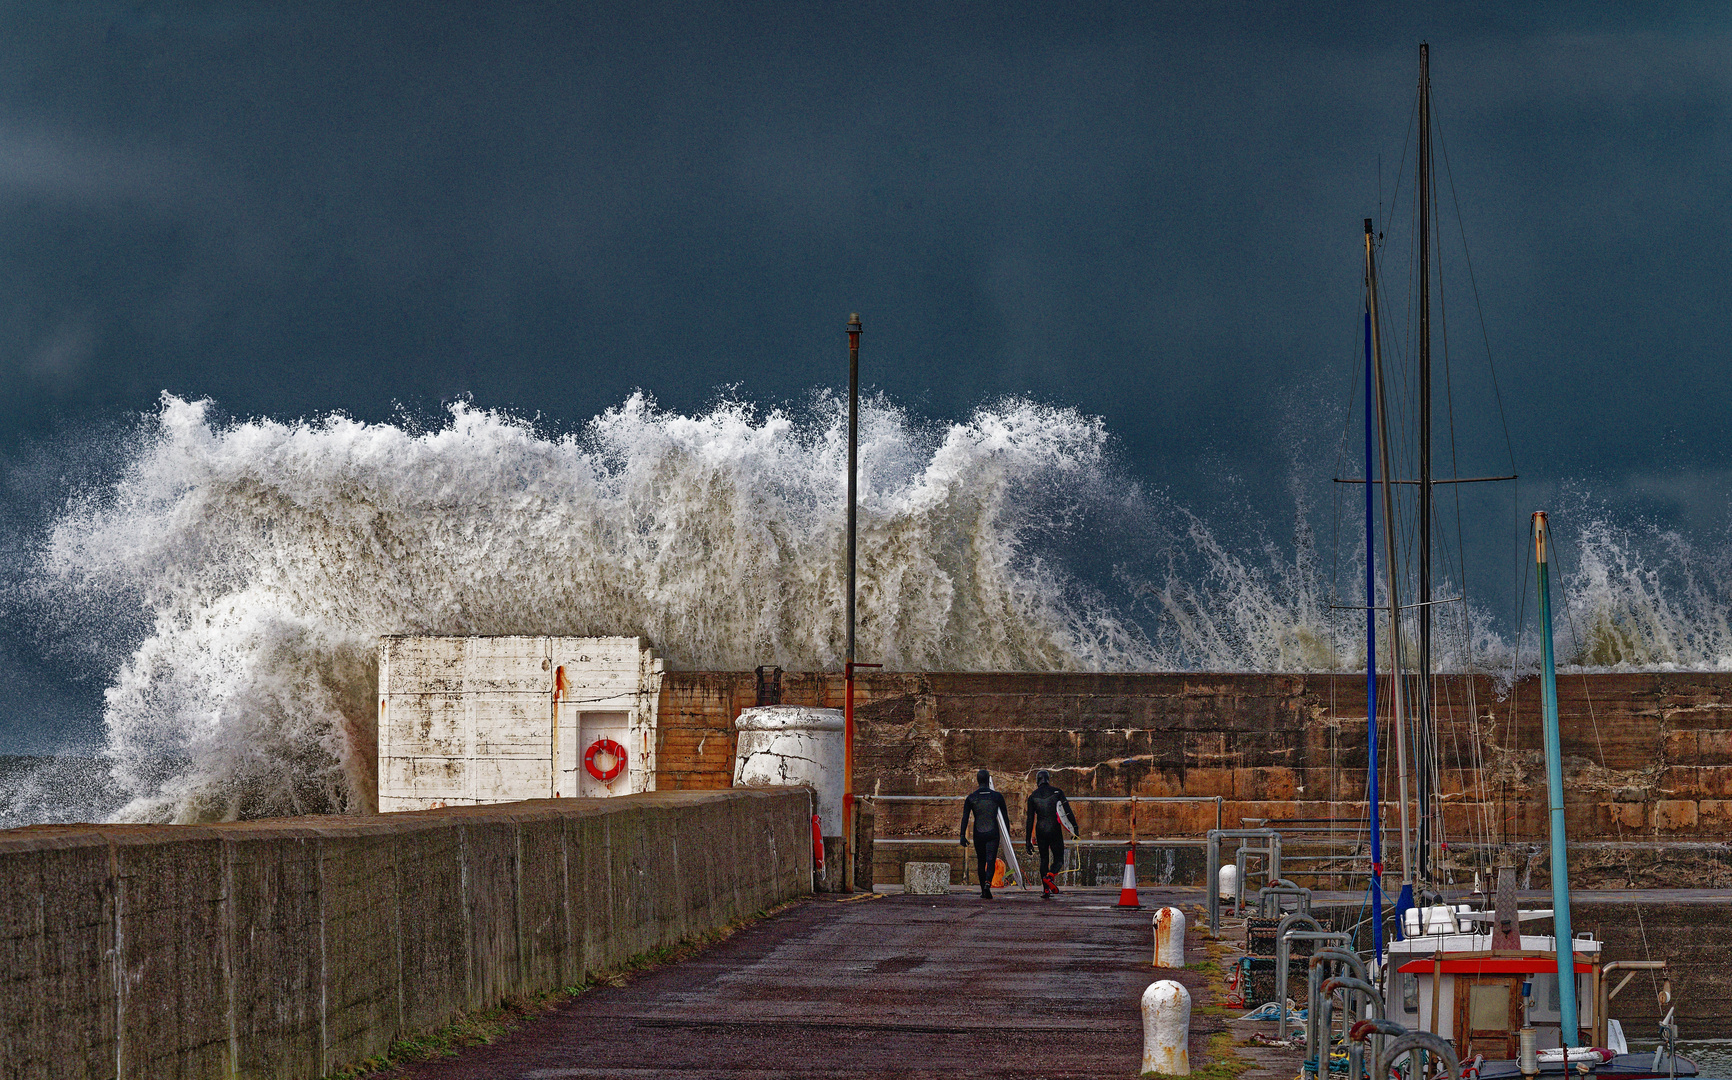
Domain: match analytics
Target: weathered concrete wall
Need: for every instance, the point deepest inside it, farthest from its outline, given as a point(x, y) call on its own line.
point(469, 720)
point(1648, 756)
point(290, 948)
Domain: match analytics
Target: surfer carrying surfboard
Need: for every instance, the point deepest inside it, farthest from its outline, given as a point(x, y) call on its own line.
point(988, 809)
point(1043, 824)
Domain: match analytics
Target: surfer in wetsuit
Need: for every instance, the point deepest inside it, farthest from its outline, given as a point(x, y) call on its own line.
point(986, 805)
point(1042, 824)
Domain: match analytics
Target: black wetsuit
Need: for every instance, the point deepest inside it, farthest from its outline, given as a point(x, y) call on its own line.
point(985, 804)
point(1042, 820)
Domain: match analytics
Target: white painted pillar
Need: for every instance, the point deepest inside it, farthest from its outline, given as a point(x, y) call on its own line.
point(1167, 1029)
point(1169, 938)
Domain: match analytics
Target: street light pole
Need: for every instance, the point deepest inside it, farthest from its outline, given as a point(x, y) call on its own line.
point(848, 660)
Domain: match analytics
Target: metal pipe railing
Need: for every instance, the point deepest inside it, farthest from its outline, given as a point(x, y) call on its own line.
point(1212, 874)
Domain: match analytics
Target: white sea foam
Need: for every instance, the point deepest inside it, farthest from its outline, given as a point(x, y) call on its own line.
point(243, 571)
point(1639, 597)
point(269, 556)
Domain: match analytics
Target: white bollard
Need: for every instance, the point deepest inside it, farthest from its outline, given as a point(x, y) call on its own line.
point(1169, 938)
point(1167, 1029)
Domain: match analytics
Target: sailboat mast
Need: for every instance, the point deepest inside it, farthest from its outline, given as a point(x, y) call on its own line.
point(1422, 712)
point(1389, 565)
point(1563, 938)
point(1374, 805)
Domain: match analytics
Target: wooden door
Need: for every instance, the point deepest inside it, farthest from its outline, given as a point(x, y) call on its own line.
point(1488, 1014)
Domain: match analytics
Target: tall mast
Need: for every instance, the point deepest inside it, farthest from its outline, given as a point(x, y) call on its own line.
point(1422, 718)
point(1389, 565)
point(1374, 804)
point(1563, 939)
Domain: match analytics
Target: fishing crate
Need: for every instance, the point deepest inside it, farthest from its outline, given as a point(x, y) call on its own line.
point(1260, 937)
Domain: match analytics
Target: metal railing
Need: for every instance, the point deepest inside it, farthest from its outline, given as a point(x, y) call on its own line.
point(1132, 800)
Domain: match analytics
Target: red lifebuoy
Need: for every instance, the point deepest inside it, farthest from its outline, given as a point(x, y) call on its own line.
point(612, 749)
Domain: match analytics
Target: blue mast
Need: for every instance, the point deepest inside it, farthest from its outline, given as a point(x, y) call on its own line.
point(1374, 806)
point(1569, 1032)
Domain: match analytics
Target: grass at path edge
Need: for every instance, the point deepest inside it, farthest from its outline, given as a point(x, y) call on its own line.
point(485, 1026)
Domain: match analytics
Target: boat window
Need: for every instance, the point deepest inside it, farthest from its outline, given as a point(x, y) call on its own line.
point(1552, 1003)
point(1409, 992)
point(1488, 1006)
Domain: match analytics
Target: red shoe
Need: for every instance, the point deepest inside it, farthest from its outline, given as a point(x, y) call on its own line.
point(1050, 883)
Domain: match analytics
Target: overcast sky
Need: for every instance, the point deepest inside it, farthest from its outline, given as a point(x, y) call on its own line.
point(1149, 211)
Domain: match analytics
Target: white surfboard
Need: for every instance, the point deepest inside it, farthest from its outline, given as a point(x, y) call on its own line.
point(1007, 851)
point(1064, 821)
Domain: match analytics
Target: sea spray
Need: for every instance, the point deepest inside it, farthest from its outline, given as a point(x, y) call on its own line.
point(244, 570)
point(1640, 597)
point(268, 557)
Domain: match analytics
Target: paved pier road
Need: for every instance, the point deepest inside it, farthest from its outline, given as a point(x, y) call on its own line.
point(888, 986)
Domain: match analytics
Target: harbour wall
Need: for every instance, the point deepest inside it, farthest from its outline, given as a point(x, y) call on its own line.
point(1647, 756)
point(293, 947)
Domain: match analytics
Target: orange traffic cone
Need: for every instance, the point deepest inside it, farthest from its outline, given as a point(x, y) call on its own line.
point(1128, 894)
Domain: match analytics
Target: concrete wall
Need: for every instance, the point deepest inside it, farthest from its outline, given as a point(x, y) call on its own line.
point(293, 947)
point(469, 720)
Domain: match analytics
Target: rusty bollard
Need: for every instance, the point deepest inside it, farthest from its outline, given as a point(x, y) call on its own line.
point(1167, 1029)
point(1169, 938)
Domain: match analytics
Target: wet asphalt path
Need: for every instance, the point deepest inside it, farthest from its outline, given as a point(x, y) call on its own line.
point(888, 986)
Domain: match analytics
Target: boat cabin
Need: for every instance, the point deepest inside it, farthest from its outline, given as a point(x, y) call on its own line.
point(1450, 983)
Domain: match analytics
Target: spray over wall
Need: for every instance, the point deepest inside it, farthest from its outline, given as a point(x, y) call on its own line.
point(241, 572)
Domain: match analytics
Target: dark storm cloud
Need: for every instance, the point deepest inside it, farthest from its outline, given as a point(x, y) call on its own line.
point(1149, 211)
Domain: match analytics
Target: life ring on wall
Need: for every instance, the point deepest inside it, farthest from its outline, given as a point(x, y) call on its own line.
point(604, 746)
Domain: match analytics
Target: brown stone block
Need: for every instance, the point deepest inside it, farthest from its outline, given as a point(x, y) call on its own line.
point(1697, 714)
point(1465, 820)
point(1711, 780)
point(1208, 782)
point(1166, 783)
point(1625, 816)
point(1675, 815)
point(1714, 815)
point(1336, 784)
point(1205, 749)
point(1263, 784)
point(1685, 780)
point(1680, 748)
point(1615, 818)
point(1175, 819)
point(1712, 748)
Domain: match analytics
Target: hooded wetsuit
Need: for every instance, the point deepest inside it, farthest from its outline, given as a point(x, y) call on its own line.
point(985, 804)
point(1042, 820)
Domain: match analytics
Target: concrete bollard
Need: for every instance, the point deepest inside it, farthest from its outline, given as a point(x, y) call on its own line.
point(1227, 884)
point(1167, 1029)
point(1169, 938)
point(926, 878)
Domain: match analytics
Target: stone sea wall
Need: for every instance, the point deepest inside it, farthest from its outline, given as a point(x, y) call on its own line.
point(1648, 757)
point(293, 947)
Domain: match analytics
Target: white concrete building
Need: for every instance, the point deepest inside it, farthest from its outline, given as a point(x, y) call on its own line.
point(465, 720)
